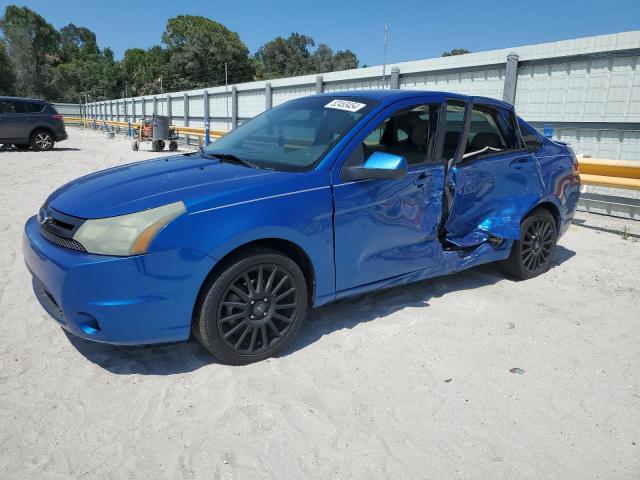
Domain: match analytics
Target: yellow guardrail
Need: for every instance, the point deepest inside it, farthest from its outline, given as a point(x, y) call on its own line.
point(605, 173)
point(186, 131)
point(610, 173)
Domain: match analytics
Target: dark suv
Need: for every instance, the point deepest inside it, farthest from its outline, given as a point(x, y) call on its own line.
point(28, 122)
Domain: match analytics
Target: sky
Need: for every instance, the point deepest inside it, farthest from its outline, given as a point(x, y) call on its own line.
point(417, 29)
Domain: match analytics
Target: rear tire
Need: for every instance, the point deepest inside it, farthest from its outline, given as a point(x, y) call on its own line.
point(42, 140)
point(253, 308)
point(173, 145)
point(532, 254)
point(135, 145)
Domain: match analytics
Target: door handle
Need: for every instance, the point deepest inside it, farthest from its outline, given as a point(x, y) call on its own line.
point(422, 179)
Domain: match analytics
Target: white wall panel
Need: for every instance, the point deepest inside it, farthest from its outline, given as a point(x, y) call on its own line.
point(281, 95)
point(250, 103)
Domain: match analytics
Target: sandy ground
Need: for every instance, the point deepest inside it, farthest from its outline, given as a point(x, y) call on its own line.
point(413, 382)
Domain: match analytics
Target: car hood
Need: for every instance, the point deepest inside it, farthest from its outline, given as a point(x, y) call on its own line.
point(193, 179)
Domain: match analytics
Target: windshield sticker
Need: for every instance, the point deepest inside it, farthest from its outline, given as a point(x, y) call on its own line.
point(345, 105)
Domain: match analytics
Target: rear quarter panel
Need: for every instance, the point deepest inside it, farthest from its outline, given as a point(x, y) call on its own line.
point(561, 179)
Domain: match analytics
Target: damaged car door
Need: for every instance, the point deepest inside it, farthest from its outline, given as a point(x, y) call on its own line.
point(492, 180)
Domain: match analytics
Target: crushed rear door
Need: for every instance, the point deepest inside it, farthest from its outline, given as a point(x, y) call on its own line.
point(492, 181)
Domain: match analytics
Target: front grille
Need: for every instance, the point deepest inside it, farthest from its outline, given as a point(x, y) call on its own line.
point(63, 242)
point(58, 228)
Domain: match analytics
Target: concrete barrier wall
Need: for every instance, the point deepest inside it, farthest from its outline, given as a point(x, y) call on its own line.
point(588, 89)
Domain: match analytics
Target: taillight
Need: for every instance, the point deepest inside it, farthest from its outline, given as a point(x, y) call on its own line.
point(57, 117)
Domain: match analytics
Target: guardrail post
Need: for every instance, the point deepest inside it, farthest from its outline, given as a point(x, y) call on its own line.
point(133, 110)
point(510, 78)
point(155, 105)
point(185, 118)
point(168, 102)
point(319, 84)
point(143, 107)
point(234, 107)
point(268, 98)
point(205, 99)
point(394, 79)
point(110, 110)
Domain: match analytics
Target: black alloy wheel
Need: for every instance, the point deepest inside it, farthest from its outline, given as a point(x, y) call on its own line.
point(253, 309)
point(258, 309)
point(537, 245)
point(532, 254)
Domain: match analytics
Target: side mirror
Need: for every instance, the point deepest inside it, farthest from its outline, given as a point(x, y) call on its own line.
point(379, 165)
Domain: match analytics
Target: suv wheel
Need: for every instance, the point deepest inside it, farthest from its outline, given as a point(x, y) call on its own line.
point(253, 308)
point(42, 140)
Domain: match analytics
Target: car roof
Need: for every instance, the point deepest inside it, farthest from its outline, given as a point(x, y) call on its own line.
point(25, 99)
point(393, 95)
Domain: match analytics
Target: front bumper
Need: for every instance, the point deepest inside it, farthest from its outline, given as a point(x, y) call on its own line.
point(121, 300)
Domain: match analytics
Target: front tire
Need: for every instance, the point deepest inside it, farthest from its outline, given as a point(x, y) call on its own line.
point(253, 308)
point(532, 254)
point(42, 140)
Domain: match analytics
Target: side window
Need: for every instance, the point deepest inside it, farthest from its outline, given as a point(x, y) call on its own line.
point(20, 107)
point(530, 135)
point(36, 107)
point(6, 107)
point(409, 133)
point(454, 124)
point(490, 131)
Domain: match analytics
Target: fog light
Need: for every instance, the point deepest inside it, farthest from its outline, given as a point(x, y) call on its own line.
point(88, 324)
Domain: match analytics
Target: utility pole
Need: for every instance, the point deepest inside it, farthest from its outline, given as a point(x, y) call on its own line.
point(384, 57)
point(226, 90)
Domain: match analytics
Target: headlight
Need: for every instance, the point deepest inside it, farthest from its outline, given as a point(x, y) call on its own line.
point(127, 234)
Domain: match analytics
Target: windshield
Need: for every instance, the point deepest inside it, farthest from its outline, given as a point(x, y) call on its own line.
point(293, 136)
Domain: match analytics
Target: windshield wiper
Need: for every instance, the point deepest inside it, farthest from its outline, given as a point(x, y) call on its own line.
point(231, 158)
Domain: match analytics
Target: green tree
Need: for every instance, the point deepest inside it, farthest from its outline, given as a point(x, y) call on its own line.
point(282, 57)
point(84, 70)
point(345, 60)
point(7, 76)
point(323, 58)
point(198, 49)
point(142, 69)
point(456, 51)
point(77, 42)
point(32, 45)
point(285, 57)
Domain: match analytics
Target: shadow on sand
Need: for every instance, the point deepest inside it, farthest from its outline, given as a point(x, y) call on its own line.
point(54, 149)
point(168, 359)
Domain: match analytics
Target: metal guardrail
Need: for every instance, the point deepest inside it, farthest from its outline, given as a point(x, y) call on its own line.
point(604, 173)
point(610, 173)
point(185, 131)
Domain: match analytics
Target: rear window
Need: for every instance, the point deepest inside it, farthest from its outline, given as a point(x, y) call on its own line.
point(530, 135)
point(36, 107)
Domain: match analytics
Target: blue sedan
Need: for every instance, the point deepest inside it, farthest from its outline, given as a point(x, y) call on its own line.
point(315, 200)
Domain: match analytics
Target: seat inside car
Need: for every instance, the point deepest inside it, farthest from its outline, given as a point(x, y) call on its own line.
point(485, 139)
